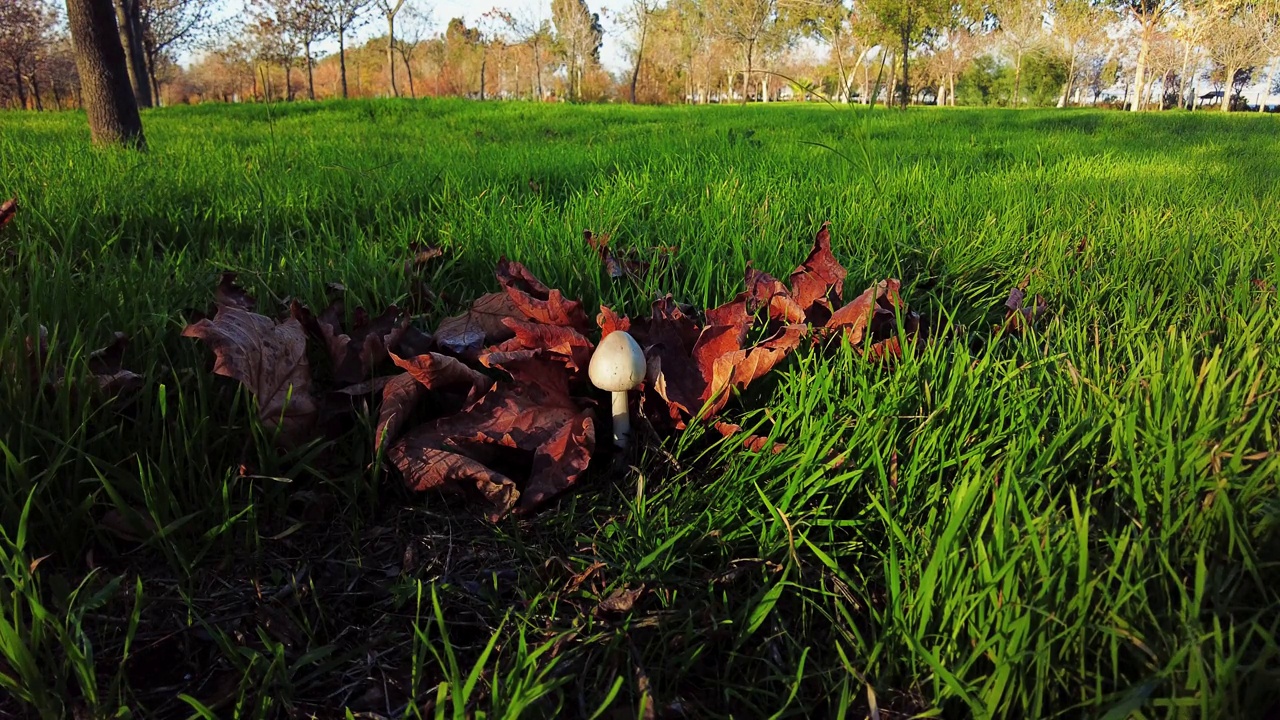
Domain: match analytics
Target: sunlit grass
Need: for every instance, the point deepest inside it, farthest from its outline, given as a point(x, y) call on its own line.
point(1083, 521)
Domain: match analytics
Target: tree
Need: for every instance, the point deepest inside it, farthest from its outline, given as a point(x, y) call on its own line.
point(910, 22)
point(639, 19)
point(345, 16)
point(831, 21)
point(1234, 44)
point(275, 31)
point(104, 79)
point(413, 28)
point(170, 26)
point(25, 29)
point(534, 33)
point(389, 9)
point(310, 23)
point(744, 23)
point(578, 37)
point(1075, 22)
point(130, 23)
point(1021, 29)
point(1149, 16)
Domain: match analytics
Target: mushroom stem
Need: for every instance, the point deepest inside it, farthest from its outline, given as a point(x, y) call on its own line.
point(621, 420)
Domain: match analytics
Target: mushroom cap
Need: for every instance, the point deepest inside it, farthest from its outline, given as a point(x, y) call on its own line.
point(618, 363)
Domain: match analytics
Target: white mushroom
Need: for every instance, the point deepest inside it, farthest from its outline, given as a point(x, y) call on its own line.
point(618, 366)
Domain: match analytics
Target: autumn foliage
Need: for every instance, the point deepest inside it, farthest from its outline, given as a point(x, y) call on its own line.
point(496, 403)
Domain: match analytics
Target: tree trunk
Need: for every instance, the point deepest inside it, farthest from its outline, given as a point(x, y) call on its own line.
point(342, 59)
point(288, 82)
point(408, 71)
point(537, 61)
point(906, 74)
point(311, 83)
point(391, 60)
point(1066, 87)
point(746, 77)
point(1266, 88)
point(892, 87)
point(951, 92)
point(1017, 80)
point(484, 61)
point(155, 85)
point(20, 86)
point(112, 110)
point(1139, 75)
point(131, 43)
point(1228, 88)
point(35, 90)
point(635, 73)
point(1182, 76)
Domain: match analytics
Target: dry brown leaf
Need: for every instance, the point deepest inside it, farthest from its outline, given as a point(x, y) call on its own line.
point(609, 321)
point(8, 209)
point(818, 284)
point(750, 443)
point(536, 301)
point(356, 353)
point(566, 343)
point(106, 367)
point(1020, 315)
point(874, 314)
point(400, 396)
point(620, 601)
point(230, 294)
point(464, 335)
point(438, 372)
point(516, 430)
point(270, 360)
point(740, 368)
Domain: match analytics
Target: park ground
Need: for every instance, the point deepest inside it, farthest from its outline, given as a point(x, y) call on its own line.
point(1082, 520)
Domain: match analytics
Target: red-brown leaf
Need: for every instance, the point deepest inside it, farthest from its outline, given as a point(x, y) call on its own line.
point(609, 321)
point(536, 301)
point(106, 366)
point(440, 372)
point(229, 294)
point(400, 396)
point(8, 209)
point(767, 292)
point(564, 342)
point(270, 360)
point(1021, 316)
point(750, 443)
point(354, 354)
point(740, 368)
point(464, 335)
point(817, 285)
point(514, 429)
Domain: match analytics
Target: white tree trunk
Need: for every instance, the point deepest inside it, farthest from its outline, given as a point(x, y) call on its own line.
point(1140, 74)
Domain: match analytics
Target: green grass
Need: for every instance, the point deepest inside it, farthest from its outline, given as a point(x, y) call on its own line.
point(1081, 522)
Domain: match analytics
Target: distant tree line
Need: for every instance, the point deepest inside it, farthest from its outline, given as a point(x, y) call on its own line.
point(1135, 54)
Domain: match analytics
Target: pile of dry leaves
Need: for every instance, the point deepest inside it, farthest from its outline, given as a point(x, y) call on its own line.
point(496, 403)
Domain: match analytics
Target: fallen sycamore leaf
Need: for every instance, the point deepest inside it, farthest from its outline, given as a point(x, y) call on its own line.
point(818, 284)
point(8, 209)
point(107, 368)
point(536, 301)
point(270, 360)
point(464, 335)
point(515, 436)
point(230, 294)
point(355, 353)
point(1021, 315)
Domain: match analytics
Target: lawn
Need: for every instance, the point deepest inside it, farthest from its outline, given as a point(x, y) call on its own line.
point(1081, 520)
